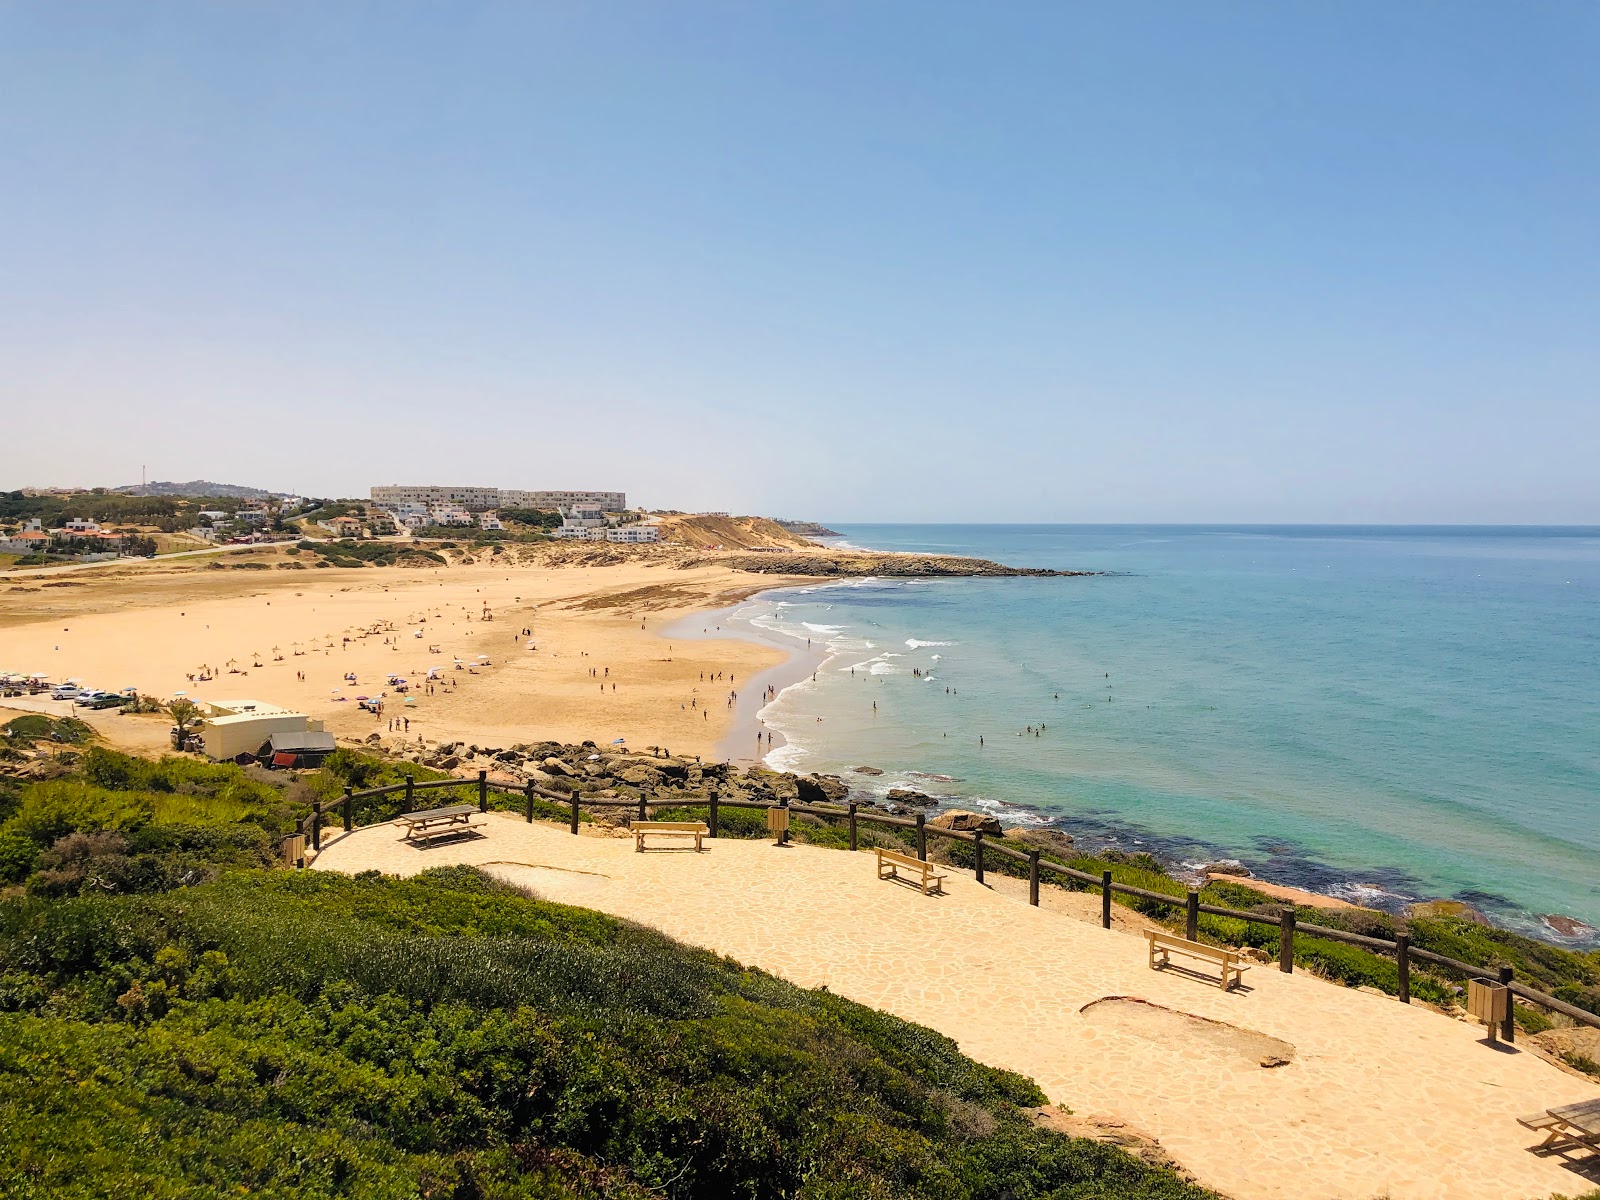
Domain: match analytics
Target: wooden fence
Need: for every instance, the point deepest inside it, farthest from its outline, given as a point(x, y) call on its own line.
point(1286, 921)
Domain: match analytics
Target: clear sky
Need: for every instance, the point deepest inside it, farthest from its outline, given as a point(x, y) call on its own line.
point(852, 261)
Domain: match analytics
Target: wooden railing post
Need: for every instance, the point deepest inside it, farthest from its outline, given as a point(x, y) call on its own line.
point(527, 799)
point(1402, 961)
point(316, 824)
point(711, 803)
point(574, 796)
point(483, 791)
point(852, 824)
point(977, 855)
point(1508, 1027)
point(922, 836)
point(641, 806)
point(1191, 915)
point(1286, 941)
point(411, 791)
point(349, 808)
point(1105, 899)
point(1033, 877)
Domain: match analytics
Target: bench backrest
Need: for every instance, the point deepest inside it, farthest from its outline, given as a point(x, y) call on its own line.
point(1173, 941)
point(670, 826)
point(904, 860)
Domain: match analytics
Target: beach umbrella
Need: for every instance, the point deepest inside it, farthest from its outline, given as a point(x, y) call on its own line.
point(618, 741)
point(363, 697)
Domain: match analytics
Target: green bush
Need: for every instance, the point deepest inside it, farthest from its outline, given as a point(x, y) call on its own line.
point(313, 1035)
point(53, 810)
point(18, 854)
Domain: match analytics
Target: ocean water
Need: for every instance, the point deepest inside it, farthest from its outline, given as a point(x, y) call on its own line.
point(1384, 714)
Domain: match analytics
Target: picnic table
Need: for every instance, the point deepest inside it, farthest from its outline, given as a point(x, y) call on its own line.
point(429, 823)
point(1577, 1124)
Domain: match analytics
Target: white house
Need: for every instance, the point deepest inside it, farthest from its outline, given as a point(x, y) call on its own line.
point(634, 533)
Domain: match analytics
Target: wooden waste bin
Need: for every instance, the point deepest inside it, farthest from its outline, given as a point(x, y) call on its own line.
point(1489, 1002)
point(778, 823)
point(294, 850)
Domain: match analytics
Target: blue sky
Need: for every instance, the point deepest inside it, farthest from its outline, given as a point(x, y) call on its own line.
point(1150, 261)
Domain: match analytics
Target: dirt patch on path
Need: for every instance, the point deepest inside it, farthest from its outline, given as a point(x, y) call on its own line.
point(1181, 1030)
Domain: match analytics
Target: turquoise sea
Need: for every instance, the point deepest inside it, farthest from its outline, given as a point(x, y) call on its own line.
point(1379, 713)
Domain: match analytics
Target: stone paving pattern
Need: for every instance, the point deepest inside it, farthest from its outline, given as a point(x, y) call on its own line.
point(1379, 1099)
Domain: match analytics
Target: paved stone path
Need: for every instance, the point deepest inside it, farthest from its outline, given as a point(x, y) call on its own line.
point(1379, 1099)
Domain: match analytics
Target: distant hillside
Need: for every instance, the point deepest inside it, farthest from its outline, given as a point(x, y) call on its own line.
point(197, 487)
point(730, 533)
point(809, 529)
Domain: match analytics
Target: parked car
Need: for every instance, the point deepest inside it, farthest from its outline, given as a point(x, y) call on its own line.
point(109, 700)
point(64, 691)
point(86, 696)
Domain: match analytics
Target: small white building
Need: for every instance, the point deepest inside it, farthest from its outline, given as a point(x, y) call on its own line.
point(489, 520)
point(634, 533)
point(449, 515)
point(243, 726)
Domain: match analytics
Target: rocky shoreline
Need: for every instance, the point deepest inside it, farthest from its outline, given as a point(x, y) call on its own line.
point(859, 564)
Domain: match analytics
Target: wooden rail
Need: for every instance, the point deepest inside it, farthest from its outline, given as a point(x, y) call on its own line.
point(1286, 922)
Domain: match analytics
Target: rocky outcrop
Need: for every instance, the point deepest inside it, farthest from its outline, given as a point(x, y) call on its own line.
point(910, 798)
point(962, 821)
point(854, 564)
point(821, 789)
point(868, 770)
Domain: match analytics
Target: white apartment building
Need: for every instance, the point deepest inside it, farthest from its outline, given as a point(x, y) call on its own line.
point(480, 499)
point(489, 521)
point(634, 533)
point(606, 501)
point(429, 495)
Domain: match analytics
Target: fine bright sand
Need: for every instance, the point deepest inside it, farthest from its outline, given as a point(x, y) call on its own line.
point(1375, 1099)
point(151, 630)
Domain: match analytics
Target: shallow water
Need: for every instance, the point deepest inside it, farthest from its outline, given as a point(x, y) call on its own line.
point(1377, 713)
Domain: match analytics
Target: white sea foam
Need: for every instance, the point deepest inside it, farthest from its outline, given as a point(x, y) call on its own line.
point(828, 629)
point(918, 644)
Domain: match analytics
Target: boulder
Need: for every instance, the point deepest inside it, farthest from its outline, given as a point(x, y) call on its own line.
point(962, 821)
point(1229, 867)
point(639, 777)
point(1048, 840)
point(869, 771)
point(913, 798)
point(556, 767)
point(821, 789)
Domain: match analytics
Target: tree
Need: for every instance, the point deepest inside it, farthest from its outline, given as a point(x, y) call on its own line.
point(184, 713)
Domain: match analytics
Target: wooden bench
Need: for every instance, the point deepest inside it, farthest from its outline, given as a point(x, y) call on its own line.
point(892, 862)
point(683, 829)
point(1164, 945)
point(429, 823)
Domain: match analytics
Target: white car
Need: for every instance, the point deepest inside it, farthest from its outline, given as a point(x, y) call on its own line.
point(64, 691)
point(86, 696)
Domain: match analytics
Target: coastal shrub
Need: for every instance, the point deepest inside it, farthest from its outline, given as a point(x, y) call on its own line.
point(52, 810)
point(313, 1035)
point(36, 727)
point(177, 776)
point(18, 854)
point(1581, 1062)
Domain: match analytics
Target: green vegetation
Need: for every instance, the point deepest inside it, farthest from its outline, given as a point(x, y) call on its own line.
point(194, 1025)
point(38, 727)
point(349, 553)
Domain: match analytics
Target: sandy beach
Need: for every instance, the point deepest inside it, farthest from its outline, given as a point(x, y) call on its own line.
point(601, 668)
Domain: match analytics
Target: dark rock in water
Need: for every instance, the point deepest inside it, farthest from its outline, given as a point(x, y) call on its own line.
point(1447, 908)
point(915, 799)
point(1568, 926)
point(821, 789)
point(868, 771)
point(962, 821)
